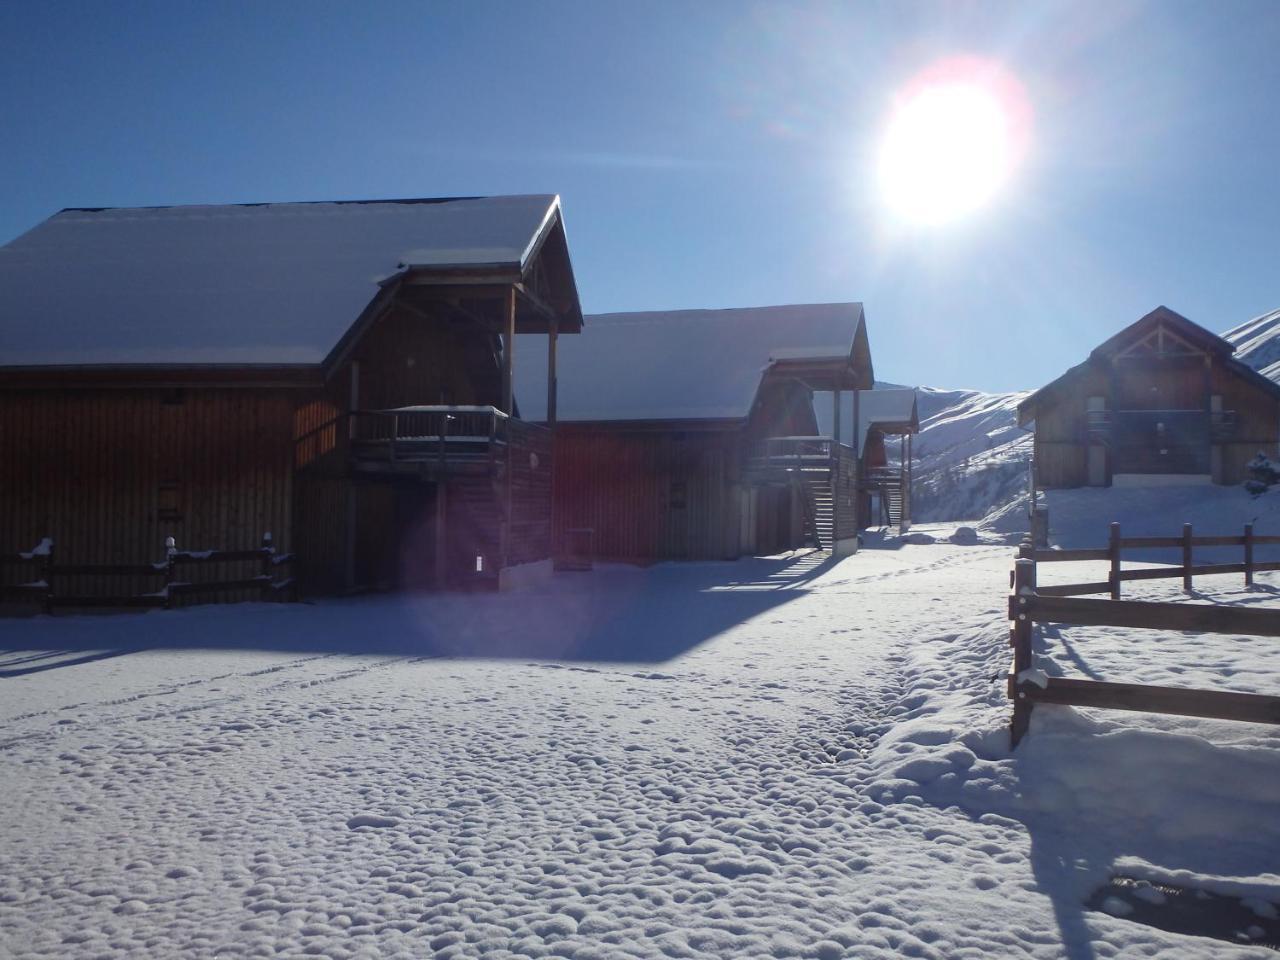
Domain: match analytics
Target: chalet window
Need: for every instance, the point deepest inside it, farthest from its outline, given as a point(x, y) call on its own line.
point(169, 502)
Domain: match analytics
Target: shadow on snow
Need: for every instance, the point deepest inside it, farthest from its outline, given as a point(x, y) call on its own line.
point(613, 614)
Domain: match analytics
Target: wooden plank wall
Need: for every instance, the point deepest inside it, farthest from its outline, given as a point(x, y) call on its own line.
point(408, 359)
point(109, 474)
point(531, 469)
point(845, 497)
point(1257, 423)
point(650, 495)
point(1061, 447)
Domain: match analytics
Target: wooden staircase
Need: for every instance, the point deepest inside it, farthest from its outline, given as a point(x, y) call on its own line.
point(891, 504)
point(818, 504)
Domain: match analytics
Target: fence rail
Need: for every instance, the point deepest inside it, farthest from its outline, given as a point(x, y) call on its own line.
point(1030, 604)
point(1187, 569)
point(172, 589)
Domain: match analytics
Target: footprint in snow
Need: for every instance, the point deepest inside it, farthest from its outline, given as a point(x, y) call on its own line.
point(371, 820)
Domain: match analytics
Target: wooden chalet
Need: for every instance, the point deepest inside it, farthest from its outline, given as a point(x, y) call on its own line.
point(882, 415)
point(693, 434)
point(338, 374)
point(1163, 401)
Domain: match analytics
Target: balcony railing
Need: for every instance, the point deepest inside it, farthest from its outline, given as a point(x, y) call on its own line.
point(1101, 426)
point(423, 439)
point(778, 455)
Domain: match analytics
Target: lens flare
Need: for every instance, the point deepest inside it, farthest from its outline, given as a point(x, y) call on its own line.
point(956, 134)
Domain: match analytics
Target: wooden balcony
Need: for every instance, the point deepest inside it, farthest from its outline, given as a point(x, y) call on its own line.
point(782, 459)
point(424, 441)
point(1101, 426)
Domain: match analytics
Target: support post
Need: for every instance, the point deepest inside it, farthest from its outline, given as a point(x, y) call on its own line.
point(441, 532)
point(508, 353)
point(1248, 554)
point(835, 468)
point(1114, 549)
point(1186, 557)
point(170, 548)
point(267, 552)
point(47, 605)
point(552, 391)
point(553, 336)
point(1024, 585)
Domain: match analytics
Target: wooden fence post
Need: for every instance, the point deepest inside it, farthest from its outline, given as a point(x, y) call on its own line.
point(267, 553)
point(1024, 584)
point(47, 576)
point(170, 548)
point(1114, 548)
point(1186, 557)
point(1248, 554)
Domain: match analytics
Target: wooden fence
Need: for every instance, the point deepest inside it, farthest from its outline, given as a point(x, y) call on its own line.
point(1187, 570)
point(1030, 604)
point(44, 572)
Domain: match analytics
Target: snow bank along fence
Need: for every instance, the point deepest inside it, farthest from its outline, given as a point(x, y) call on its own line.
point(40, 585)
point(1030, 604)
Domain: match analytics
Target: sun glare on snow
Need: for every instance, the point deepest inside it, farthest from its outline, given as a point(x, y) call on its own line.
point(956, 134)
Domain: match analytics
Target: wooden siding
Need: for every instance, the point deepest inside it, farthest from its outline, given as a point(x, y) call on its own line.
point(109, 474)
point(650, 495)
point(1062, 442)
point(407, 358)
point(529, 538)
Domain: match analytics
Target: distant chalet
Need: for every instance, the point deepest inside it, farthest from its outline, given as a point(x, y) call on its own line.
point(1163, 401)
point(383, 386)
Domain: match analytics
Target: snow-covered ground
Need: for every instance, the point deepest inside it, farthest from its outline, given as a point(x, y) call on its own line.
point(793, 757)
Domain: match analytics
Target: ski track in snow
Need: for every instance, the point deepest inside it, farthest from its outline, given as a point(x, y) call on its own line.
point(827, 778)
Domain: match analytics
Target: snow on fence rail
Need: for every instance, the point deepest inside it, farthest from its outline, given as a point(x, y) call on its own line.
point(173, 590)
point(1029, 605)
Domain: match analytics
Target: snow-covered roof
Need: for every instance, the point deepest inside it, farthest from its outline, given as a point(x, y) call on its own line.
point(884, 408)
point(680, 364)
point(275, 283)
point(1257, 343)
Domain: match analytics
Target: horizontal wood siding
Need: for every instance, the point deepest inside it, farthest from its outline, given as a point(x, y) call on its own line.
point(109, 474)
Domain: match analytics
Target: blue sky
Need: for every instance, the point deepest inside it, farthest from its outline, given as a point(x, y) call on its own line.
point(708, 154)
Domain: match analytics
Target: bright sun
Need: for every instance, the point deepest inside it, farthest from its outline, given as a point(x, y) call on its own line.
point(956, 134)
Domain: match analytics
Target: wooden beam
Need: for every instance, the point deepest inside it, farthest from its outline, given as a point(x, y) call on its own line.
point(552, 387)
point(508, 355)
point(537, 304)
point(1155, 616)
point(1217, 704)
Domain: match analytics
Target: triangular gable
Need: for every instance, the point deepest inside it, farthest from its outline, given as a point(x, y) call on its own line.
point(1161, 333)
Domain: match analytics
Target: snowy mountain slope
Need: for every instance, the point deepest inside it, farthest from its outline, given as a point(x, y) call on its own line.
point(1257, 343)
point(970, 455)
